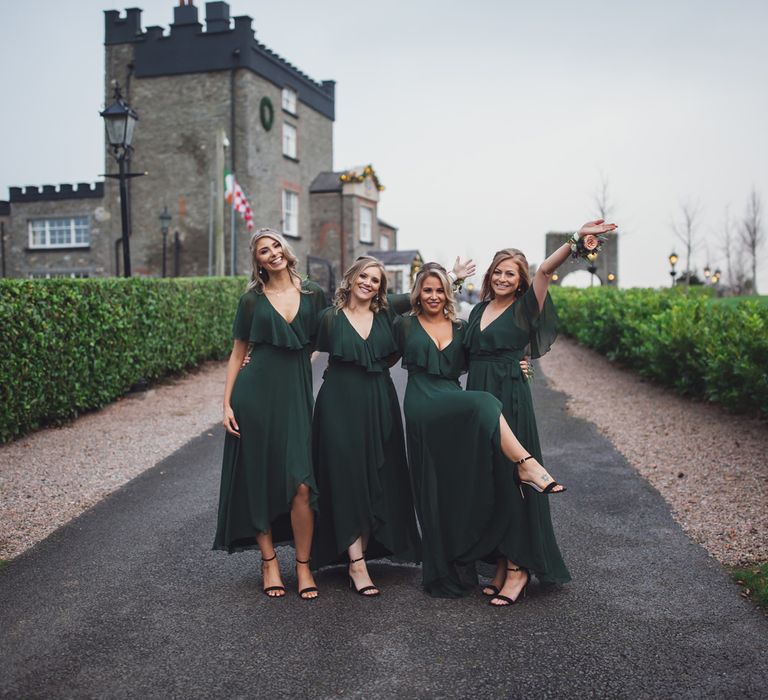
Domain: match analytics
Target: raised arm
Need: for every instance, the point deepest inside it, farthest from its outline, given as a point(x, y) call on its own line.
point(545, 271)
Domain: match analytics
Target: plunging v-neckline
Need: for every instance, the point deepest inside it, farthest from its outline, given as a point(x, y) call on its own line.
point(295, 314)
point(482, 313)
point(352, 326)
point(432, 340)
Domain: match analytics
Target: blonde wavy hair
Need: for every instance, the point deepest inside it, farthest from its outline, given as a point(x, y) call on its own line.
point(516, 256)
point(432, 269)
point(344, 290)
point(259, 276)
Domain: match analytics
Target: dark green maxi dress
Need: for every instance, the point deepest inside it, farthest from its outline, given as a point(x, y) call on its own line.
point(272, 403)
point(494, 366)
point(359, 448)
point(455, 458)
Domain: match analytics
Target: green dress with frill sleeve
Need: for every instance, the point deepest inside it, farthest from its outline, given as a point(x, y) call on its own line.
point(272, 402)
point(454, 455)
point(494, 366)
point(359, 448)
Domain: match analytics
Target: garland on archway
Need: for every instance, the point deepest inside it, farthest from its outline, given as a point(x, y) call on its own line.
point(352, 176)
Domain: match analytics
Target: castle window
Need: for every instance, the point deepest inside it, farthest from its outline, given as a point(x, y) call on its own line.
point(366, 225)
point(289, 140)
point(290, 213)
point(289, 100)
point(61, 232)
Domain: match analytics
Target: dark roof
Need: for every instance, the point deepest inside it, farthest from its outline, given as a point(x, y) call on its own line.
point(5, 208)
point(395, 257)
point(327, 182)
point(386, 225)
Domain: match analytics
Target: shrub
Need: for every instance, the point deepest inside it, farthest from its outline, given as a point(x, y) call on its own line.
point(706, 350)
point(69, 346)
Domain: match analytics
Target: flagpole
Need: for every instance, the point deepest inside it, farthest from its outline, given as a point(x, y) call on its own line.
point(232, 236)
point(218, 248)
point(211, 201)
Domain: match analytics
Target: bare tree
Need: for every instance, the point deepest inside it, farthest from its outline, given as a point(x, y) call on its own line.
point(602, 200)
point(751, 232)
point(727, 239)
point(686, 232)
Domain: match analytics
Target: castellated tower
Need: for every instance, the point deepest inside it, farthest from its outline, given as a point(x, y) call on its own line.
point(187, 85)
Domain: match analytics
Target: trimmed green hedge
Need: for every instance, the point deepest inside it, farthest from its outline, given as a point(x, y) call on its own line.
point(68, 346)
point(703, 349)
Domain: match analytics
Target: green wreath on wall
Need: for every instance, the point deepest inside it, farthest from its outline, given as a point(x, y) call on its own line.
point(266, 113)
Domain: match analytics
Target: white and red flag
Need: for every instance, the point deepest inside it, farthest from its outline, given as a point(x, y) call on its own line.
point(235, 196)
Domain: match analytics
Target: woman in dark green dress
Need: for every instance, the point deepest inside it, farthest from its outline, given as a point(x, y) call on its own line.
point(268, 492)
point(456, 443)
point(366, 506)
point(516, 316)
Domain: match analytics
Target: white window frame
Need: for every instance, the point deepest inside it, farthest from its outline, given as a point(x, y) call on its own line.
point(384, 243)
point(34, 226)
point(366, 227)
point(291, 213)
point(290, 137)
point(290, 100)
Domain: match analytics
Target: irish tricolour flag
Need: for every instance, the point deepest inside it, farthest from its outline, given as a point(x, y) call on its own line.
point(234, 194)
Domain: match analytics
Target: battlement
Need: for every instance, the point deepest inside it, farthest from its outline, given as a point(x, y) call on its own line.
point(225, 44)
point(5, 208)
point(49, 193)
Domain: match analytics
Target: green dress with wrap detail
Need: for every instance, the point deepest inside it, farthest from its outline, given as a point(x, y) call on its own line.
point(358, 446)
point(494, 366)
point(272, 402)
point(455, 459)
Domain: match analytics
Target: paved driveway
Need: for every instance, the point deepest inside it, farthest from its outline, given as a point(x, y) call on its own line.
point(129, 601)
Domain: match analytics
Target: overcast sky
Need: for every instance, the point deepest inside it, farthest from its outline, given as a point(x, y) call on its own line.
point(490, 122)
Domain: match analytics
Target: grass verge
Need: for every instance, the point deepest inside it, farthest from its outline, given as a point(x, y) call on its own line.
point(754, 581)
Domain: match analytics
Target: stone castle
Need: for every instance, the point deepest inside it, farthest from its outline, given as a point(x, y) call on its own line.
point(188, 85)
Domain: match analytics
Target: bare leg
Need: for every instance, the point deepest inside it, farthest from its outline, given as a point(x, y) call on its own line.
point(499, 577)
point(270, 570)
point(530, 470)
point(516, 580)
point(358, 571)
point(303, 523)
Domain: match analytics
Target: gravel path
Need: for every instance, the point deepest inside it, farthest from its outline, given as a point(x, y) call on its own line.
point(53, 475)
point(711, 467)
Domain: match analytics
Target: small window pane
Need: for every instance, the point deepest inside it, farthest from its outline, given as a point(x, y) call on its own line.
point(289, 140)
point(82, 230)
point(290, 213)
point(366, 224)
point(289, 100)
point(38, 233)
point(60, 231)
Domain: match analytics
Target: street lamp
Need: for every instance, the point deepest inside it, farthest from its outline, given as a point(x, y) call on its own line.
point(611, 277)
point(716, 276)
point(165, 220)
point(707, 271)
point(592, 268)
point(672, 262)
point(120, 122)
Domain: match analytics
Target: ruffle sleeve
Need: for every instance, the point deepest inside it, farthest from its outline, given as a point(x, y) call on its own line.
point(540, 325)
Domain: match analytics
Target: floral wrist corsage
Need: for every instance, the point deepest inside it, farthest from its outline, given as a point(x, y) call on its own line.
point(585, 246)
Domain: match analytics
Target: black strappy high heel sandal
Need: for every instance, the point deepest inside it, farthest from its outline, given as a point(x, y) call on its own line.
point(271, 588)
point(362, 591)
point(511, 601)
point(308, 589)
point(547, 489)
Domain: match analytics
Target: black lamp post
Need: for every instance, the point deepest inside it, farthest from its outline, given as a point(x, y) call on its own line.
point(165, 220)
point(120, 122)
point(672, 262)
point(707, 272)
point(592, 268)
